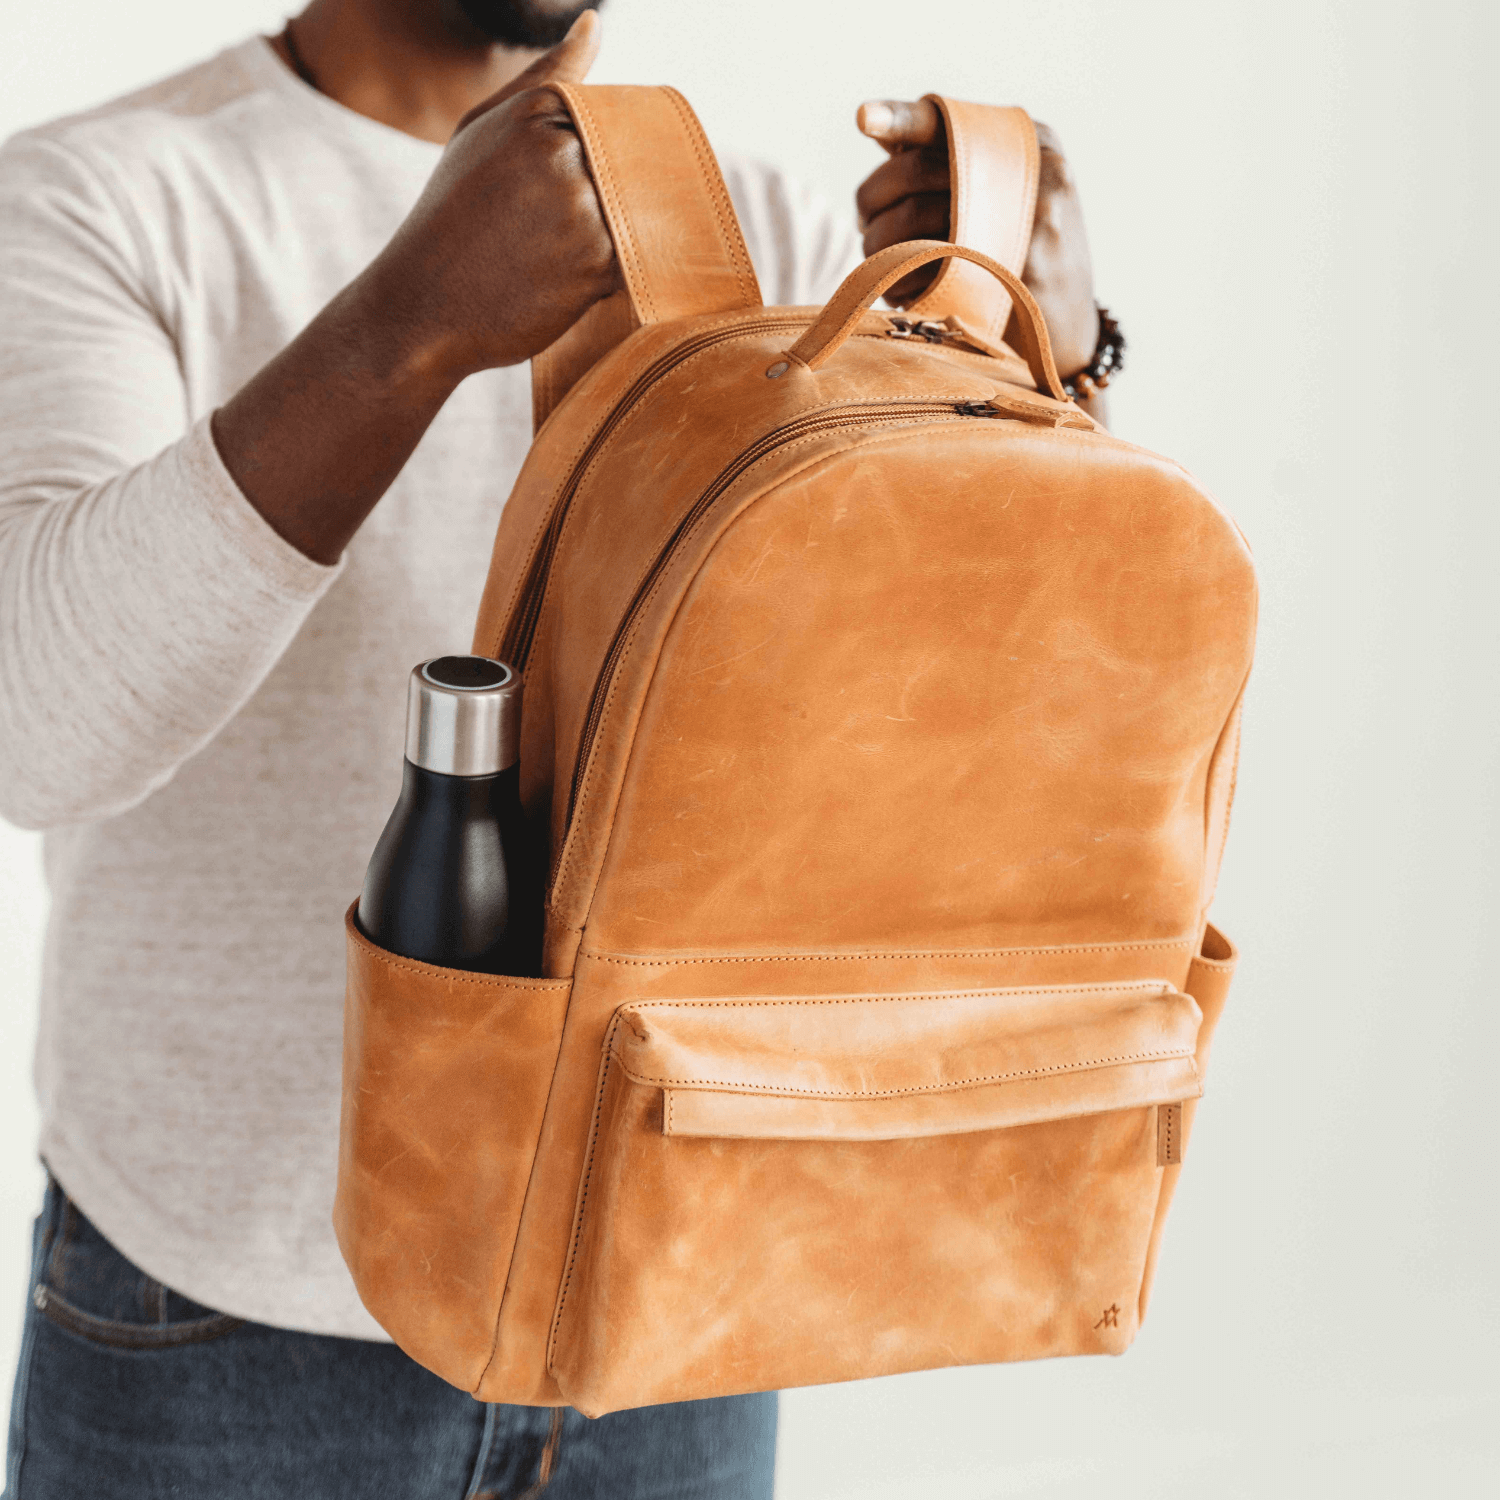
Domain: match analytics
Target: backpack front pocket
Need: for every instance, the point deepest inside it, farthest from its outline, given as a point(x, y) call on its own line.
point(790, 1191)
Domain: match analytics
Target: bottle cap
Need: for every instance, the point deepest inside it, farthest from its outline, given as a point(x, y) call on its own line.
point(463, 716)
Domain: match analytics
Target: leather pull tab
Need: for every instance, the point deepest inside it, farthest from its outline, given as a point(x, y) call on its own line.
point(1168, 1135)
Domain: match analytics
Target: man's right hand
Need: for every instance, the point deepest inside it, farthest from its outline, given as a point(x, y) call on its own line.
point(504, 251)
point(507, 246)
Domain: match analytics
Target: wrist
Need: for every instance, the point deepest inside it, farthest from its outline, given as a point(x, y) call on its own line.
point(1106, 361)
point(1074, 350)
point(400, 344)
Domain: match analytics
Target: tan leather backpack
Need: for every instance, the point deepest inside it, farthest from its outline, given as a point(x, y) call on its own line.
point(885, 712)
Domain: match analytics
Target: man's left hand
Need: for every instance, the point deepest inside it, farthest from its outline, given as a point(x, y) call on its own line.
point(907, 198)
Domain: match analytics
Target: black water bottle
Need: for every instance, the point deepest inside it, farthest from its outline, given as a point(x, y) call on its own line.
point(451, 881)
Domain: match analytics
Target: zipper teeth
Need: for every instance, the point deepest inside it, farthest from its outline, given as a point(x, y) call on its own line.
point(862, 416)
point(515, 646)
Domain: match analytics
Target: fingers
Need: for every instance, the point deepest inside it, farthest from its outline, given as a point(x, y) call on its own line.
point(905, 198)
point(900, 124)
point(923, 216)
point(568, 62)
point(900, 177)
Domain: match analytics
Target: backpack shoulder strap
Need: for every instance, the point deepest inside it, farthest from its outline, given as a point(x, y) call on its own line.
point(678, 241)
point(994, 167)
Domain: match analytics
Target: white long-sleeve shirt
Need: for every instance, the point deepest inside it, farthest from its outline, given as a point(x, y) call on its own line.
point(207, 723)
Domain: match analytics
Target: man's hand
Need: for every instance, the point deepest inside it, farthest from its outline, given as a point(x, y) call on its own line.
point(907, 198)
point(507, 246)
point(504, 251)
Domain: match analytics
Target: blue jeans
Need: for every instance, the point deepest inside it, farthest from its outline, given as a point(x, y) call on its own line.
point(128, 1391)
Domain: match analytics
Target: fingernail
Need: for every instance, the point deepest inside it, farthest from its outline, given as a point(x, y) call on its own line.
point(876, 119)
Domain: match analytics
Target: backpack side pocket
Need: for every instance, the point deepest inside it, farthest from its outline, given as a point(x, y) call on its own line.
point(446, 1076)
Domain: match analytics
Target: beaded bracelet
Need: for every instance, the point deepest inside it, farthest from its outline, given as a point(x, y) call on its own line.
point(1108, 361)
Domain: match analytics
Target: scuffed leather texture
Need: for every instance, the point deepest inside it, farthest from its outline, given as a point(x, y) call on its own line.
point(884, 718)
point(445, 1081)
point(677, 240)
point(709, 1266)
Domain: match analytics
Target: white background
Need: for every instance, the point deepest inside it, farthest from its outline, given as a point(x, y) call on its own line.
point(1292, 207)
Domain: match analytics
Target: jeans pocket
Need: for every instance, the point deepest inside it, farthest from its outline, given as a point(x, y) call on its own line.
point(89, 1288)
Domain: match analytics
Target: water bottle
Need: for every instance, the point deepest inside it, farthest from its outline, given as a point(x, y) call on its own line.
point(452, 881)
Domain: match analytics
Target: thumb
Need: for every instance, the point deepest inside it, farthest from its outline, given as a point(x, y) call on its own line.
point(568, 62)
point(900, 125)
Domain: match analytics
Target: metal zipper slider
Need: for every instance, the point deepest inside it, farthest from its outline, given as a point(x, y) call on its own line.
point(921, 328)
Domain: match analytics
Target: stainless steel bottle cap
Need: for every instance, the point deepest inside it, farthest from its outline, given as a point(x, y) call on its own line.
point(463, 716)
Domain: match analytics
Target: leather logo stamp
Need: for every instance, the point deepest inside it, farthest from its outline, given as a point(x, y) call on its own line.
point(1111, 1318)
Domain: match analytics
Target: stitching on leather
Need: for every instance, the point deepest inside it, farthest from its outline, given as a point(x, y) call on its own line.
point(1167, 1117)
point(1030, 187)
point(588, 1171)
point(536, 1156)
point(1213, 964)
point(961, 174)
point(458, 976)
point(741, 1087)
point(711, 178)
point(565, 863)
point(615, 209)
point(615, 437)
point(583, 1191)
point(1052, 991)
point(640, 575)
point(797, 958)
point(568, 465)
point(852, 320)
point(812, 407)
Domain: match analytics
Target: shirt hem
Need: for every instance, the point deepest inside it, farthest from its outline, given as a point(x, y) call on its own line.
point(284, 1299)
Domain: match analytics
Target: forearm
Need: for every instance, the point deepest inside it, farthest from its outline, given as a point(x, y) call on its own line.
point(318, 435)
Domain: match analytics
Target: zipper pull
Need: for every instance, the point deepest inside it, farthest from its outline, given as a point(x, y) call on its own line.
point(1004, 405)
point(923, 328)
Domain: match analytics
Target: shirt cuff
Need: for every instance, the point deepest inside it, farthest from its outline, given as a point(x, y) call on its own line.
point(234, 533)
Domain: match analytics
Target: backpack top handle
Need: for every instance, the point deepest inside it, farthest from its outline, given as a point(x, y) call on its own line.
point(886, 267)
point(676, 236)
point(679, 243)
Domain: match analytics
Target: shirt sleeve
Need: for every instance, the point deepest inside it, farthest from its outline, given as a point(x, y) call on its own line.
point(142, 598)
point(800, 247)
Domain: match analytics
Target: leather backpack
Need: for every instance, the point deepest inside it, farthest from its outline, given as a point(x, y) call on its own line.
point(883, 712)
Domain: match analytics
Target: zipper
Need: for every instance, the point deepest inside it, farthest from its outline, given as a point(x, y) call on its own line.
point(520, 632)
point(870, 415)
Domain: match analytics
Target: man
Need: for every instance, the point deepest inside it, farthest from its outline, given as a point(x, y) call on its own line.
point(263, 332)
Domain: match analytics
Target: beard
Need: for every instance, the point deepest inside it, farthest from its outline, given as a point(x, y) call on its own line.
point(530, 24)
